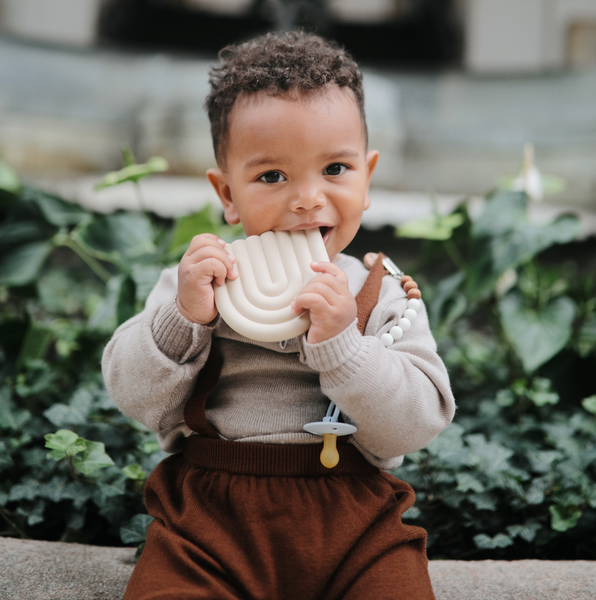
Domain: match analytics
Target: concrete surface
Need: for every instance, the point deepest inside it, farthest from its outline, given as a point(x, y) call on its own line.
point(57, 571)
point(63, 110)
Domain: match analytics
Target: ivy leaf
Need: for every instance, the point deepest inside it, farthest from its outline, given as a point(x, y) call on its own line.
point(22, 265)
point(120, 236)
point(526, 532)
point(502, 213)
point(27, 490)
point(563, 518)
point(35, 515)
point(92, 459)
point(490, 457)
point(125, 304)
point(112, 489)
point(36, 343)
point(150, 447)
point(18, 232)
point(484, 501)
point(56, 210)
point(145, 277)
point(590, 404)
point(541, 460)
point(536, 335)
point(64, 443)
point(186, 227)
point(156, 164)
point(134, 471)
point(62, 414)
point(485, 542)
point(528, 240)
point(11, 417)
point(467, 482)
point(135, 530)
point(5, 458)
point(207, 220)
point(412, 513)
point(542, 393)
point(118, 305)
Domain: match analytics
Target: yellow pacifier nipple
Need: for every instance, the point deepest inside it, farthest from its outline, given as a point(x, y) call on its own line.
point(329, 454)
point(330, 428)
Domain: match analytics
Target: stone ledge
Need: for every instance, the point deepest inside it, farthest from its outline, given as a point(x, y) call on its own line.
point(56, 571)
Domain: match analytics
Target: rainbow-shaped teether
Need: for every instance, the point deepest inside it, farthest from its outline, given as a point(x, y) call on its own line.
point(273, 267)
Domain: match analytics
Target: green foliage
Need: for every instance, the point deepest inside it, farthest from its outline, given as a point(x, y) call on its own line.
point(514, 318)
point(72, 467)
point(515, 475)
point(133, 172)
point(437, 228)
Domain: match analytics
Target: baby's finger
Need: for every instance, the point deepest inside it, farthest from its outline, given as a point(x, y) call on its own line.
point(197, 262)
point(331, 269)
point(204, 239)
point(310, 301)
point(212, 268)
point(329, 281)
point(316, 297)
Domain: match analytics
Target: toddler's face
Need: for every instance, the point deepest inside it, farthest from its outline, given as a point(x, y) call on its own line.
point(297, 164)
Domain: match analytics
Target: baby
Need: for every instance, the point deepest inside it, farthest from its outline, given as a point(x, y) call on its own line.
point(243, 508)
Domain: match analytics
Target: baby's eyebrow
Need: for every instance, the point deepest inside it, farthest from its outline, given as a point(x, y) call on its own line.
point(346, 153)
point(262, 160)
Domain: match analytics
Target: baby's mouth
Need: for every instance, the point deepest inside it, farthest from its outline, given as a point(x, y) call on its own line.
point(325, 233)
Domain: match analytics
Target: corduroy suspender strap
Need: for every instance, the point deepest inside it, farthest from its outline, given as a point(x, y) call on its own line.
point(194, 411)
point(368, 296)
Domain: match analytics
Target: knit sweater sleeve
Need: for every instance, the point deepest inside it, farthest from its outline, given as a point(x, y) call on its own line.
point(399, 396)
point(151, 363)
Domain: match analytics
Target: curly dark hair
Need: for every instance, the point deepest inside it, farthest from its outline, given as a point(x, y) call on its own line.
point(278, 64)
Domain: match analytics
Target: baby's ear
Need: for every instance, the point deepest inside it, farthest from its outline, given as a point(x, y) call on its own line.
point(372, 158)
point(218, 180)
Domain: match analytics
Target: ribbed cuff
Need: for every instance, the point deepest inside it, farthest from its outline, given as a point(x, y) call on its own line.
point(333, 353)
point(178, 338)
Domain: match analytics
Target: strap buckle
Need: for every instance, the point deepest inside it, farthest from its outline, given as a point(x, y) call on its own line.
point(394, 271)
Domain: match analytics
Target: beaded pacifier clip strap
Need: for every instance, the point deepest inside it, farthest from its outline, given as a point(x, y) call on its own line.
point(330, 427)
point(412, 306)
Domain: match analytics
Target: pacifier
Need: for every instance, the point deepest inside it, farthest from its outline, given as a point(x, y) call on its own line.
point(330, 428)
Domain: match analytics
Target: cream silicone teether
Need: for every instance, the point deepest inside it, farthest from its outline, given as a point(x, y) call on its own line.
point(273, 267)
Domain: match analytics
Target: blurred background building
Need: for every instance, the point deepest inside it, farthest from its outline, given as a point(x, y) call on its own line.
point(454, 87)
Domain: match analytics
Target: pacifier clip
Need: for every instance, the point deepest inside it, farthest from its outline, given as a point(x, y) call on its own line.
point(330, 427)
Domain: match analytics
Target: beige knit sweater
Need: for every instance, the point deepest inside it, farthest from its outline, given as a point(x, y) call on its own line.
point(399, 397)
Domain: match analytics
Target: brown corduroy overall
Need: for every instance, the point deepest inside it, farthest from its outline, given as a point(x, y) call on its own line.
point(238, 520)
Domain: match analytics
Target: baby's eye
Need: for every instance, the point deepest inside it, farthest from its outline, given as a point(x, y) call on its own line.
point(335, 169)
point(272, 177)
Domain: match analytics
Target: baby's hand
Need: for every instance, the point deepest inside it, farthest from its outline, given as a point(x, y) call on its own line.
point(204, 261)
point(331, 304)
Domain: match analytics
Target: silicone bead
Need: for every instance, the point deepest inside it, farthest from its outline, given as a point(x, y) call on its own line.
point(387, 339)
point(370, 259)
point(405, 279)
point(396, 332)
point(413, 304)
point(414, 293)
point(410, 285)
point(405, 324)
point(410, 314)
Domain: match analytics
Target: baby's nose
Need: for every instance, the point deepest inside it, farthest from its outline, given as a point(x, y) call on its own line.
point(308, 197)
